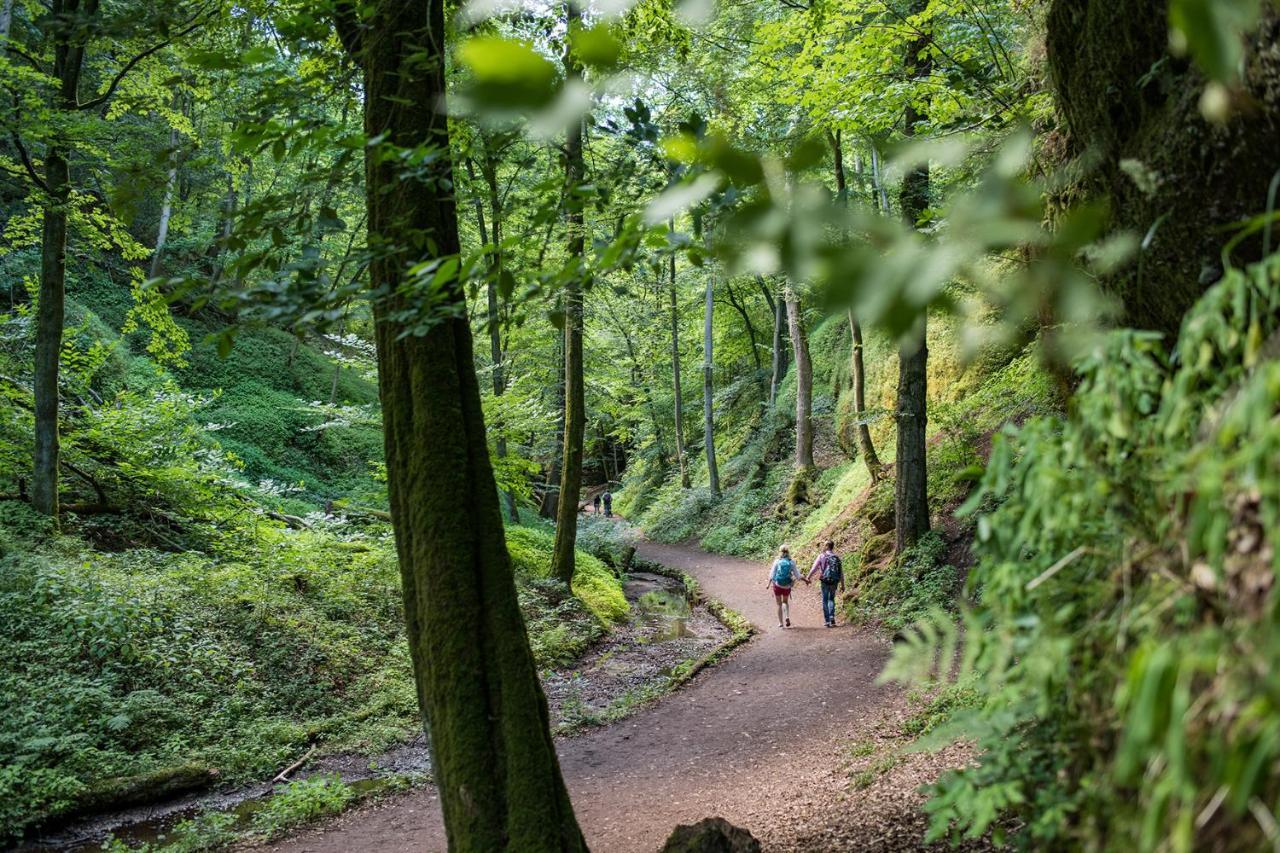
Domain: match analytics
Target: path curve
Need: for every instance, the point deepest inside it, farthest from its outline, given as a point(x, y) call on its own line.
point(740, 741)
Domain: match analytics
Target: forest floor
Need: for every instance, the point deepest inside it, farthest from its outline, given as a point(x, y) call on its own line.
point(790, 738)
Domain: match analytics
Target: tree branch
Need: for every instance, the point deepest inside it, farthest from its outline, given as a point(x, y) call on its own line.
point(346, 21)
point(26, 161)
point(195, 23)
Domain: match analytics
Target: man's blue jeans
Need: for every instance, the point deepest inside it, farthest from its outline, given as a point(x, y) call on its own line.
point(829, 602)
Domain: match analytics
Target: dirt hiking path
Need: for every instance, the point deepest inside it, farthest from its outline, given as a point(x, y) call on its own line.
point(761, 739)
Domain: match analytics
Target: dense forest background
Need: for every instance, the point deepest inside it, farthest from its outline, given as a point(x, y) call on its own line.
point(983, 290)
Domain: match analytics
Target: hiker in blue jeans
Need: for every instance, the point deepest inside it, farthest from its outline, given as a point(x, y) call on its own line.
point(829, 570)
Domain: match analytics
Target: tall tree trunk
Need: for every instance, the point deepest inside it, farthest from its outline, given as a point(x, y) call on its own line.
point(675, 372)
point(779, 350)
point(740, 306)
point(550, 506)
point(865, 445)
point(71, 34)
point(911, 489)
point(6, 22)
point(804, 385)
point(575, 416)
point(166, 205)
point(708, 388)
point(492, 753)
point(493, 317)
point(879, 192)
point(49, 321)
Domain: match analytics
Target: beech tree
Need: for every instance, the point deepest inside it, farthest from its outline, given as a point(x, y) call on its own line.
point(493, 756)
point(804, 386)
point(575, 415)
point(911, 487)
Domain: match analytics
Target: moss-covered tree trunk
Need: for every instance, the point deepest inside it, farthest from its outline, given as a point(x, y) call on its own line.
point(71, 24)
point(493, 756)
point(911, 487)
point(708, 386)
point(1130, 108)
point(575, 415)
point(865, 446)
point(804, 385)
point(681, 460)
point(779, 366)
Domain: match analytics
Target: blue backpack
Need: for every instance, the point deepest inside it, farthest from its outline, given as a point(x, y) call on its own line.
point(782, 571)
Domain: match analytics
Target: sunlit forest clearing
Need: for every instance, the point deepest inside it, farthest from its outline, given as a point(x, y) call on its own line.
point(686, 425)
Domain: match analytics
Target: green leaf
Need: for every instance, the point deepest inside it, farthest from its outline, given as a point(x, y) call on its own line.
point(596, 47)
point(507, 74)
point(1213, 32)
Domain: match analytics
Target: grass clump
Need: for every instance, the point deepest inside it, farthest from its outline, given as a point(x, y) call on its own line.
point(301, 802)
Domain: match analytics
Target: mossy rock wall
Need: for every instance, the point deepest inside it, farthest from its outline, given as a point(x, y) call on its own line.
point(1122, 96)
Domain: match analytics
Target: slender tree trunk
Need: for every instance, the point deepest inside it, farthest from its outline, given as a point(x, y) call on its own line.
point(6, 22)
point(779, 351)
point(337, 365)
point(880, 193)
point(49, 321)
point(493, 314)
point(492, 753)
point(675, 373)
point(575, 416)
point(804, 385)
point(911, 491)
point(166, 206)
point(741, 308)
point(551, 493)
point(865, 446)
point(708, 387)
point(228, 220)
point(68, 60)
point(490, 170)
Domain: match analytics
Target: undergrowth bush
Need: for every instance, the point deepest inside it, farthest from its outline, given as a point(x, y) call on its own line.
point(593, 581)
point(121, 664)
point(1124, 644)
point(911, 587)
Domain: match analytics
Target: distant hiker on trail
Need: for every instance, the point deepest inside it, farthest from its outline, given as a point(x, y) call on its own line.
point(782, 576)
point(608, 503)
point(831, 573)
point(595, 503)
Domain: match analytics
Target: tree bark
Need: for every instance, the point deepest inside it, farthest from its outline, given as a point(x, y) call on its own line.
point(911, 490)
point(741, 307)
point(779, 351)
point(166, 205)
point(675, 372)
point(865, 445)
point(575, 416)
point(6, 22)
point(879, 192)
point(492, 753)
point(708, 387)
point(493, 318)
point(49, 321)
point(804, 384)
point(1100, 56)
point(71, 35)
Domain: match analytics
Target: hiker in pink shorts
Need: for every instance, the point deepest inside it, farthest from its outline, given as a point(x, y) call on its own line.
point(782, 577)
